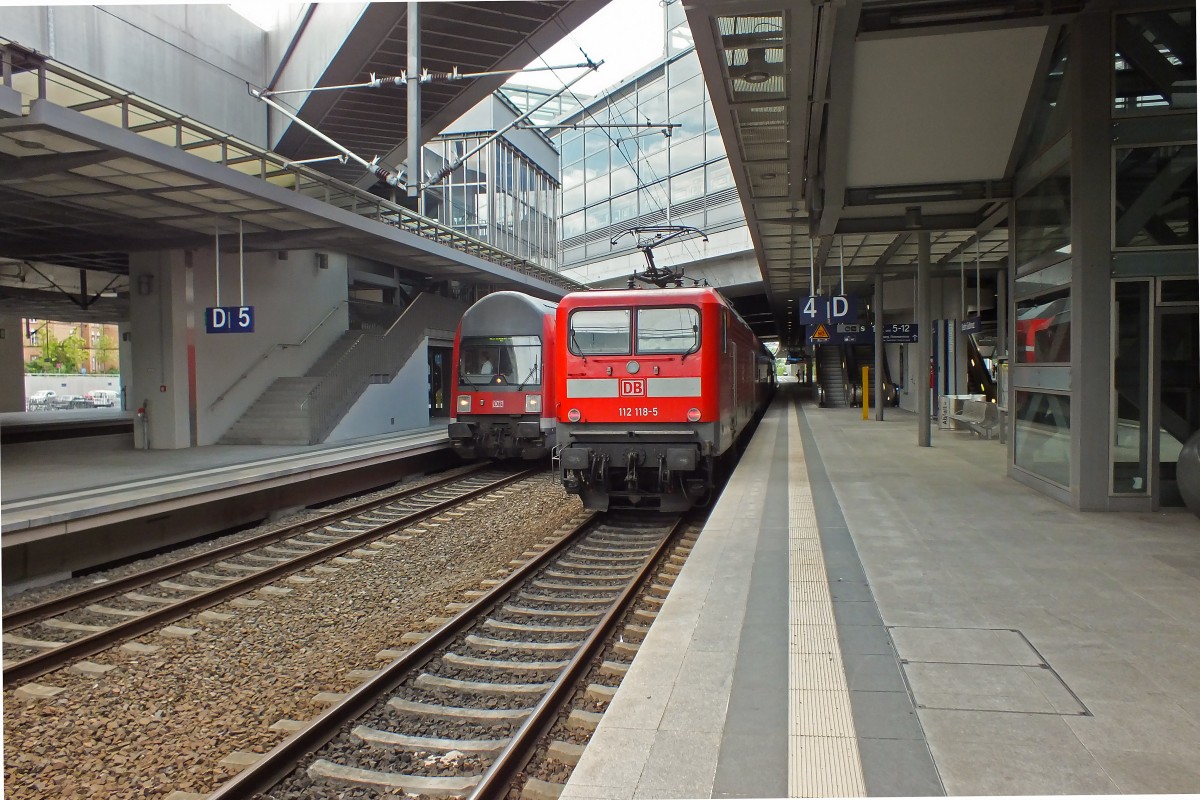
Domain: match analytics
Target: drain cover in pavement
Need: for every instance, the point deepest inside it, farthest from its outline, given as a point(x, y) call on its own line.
point(981, 669)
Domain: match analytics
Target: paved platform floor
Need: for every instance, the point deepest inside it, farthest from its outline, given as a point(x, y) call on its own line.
point(49, 479)
point(990, 641)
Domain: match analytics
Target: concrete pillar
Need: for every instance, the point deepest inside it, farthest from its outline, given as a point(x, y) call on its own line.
point(413, 98)
point(12, 364)
point(879, 354)
point(924, 341)
point(158, 380)
point(125, 357)
point(1089, 93)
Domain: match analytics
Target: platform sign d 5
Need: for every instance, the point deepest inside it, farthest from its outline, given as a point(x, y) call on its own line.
point(229, 319)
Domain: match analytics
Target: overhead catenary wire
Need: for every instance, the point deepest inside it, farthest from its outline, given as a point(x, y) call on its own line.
point(612, 104)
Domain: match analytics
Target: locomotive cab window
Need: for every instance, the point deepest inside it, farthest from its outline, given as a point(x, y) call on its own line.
point(599, 332)
point(515, 360)
point(671, 331)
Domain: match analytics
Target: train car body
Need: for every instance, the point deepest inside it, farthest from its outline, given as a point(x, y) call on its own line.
point(654, 387)
point(503, 392)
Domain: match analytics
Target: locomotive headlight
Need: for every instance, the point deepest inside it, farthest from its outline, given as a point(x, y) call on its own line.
point(693, 415)
point(464, 402)
point(632, 367)
point(573, 415)
point(533, 403)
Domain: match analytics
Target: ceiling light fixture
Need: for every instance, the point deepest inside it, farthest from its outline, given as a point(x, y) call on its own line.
point(756, 70)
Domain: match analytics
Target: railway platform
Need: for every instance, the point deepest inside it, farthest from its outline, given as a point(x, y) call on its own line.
point(863, 617)
point(68, 504)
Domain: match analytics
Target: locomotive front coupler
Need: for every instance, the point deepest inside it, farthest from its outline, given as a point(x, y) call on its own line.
point(631, 478)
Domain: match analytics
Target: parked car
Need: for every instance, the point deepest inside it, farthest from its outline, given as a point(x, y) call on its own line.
point(64, 401)
point(101, 398)
point(41, 399)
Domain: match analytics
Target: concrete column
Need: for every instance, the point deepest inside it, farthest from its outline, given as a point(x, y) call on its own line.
point(12, 364)
point(158, 379)
point(1090, 101)
point(879, 354)
point(125, 357)
point(413, 90)
point(924, 341)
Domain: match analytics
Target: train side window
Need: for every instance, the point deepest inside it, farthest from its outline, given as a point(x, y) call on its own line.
point(599, 332)
point(668, 330)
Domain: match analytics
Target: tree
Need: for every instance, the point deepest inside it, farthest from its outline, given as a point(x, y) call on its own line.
point(72, 353)
point(104, 350)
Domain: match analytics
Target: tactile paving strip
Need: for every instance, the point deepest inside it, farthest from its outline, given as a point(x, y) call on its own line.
point(823, 757)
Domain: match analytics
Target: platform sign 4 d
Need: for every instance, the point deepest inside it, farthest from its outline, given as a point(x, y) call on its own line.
point(229, 319)
point(816, 310)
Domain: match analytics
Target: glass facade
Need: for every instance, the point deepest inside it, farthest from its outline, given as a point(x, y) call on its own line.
point(1139, 237)
point(497, 195)
point(1155, 64)
point(1131, 388)
point(1042, 435)
point(618, 178)
point(1155, 201)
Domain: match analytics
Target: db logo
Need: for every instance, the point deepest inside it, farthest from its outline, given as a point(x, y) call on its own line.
point(497, 404)
point(633, 387)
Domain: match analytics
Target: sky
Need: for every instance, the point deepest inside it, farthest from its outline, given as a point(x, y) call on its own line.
point(625, 34)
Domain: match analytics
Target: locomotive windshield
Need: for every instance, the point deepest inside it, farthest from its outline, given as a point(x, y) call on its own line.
point(667, 330)
point(599, 332)
point(515, 360)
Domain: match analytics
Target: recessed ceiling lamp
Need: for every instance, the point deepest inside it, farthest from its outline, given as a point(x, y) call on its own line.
point(756, 69)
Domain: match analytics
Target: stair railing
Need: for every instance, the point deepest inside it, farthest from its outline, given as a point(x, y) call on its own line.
point(267, 354)
point(374, 358)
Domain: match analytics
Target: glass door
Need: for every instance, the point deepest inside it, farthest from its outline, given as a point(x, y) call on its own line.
point(1177, 395)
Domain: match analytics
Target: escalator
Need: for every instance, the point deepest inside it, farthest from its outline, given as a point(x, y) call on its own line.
point(831, 377)
point(863, 355)
point(979, 376)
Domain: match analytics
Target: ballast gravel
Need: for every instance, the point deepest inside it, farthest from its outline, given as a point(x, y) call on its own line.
point(163, 721)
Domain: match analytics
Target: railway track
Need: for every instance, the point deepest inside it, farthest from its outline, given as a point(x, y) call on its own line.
point(462, 712)
point(48, 636)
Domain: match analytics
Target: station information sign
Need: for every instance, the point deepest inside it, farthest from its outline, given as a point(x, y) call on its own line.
point(229, 319)
point(817, 310)
point(860, 333)
point(900, 332)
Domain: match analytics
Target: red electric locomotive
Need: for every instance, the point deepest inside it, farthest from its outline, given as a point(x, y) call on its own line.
point(654, 387)
point(504, 398)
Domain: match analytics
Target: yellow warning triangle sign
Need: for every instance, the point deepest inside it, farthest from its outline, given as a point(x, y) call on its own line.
point(820, 334)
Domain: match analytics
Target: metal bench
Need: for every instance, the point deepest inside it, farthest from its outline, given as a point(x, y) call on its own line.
point(978, 416)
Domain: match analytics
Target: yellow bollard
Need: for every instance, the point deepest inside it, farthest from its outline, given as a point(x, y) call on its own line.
point(866, 391)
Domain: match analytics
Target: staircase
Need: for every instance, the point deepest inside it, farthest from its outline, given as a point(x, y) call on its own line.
point(305, 410)
point(278, 416)
point(830, 378)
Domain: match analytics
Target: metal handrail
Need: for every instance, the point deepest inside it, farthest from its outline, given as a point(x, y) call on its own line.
point(272, 349)
point(344, 382)
point(154, 117)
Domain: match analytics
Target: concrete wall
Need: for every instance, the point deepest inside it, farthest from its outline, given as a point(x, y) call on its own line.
point(290, 298)
point(72, 384)
point(323, 37)
point(12, 365)
point(284, 314)
point(193, 59)
point(400, 405)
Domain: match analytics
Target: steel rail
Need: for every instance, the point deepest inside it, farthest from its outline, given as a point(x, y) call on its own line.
point(497, 781)
point(50, 608)
point(278, 763)
point(88, 645)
